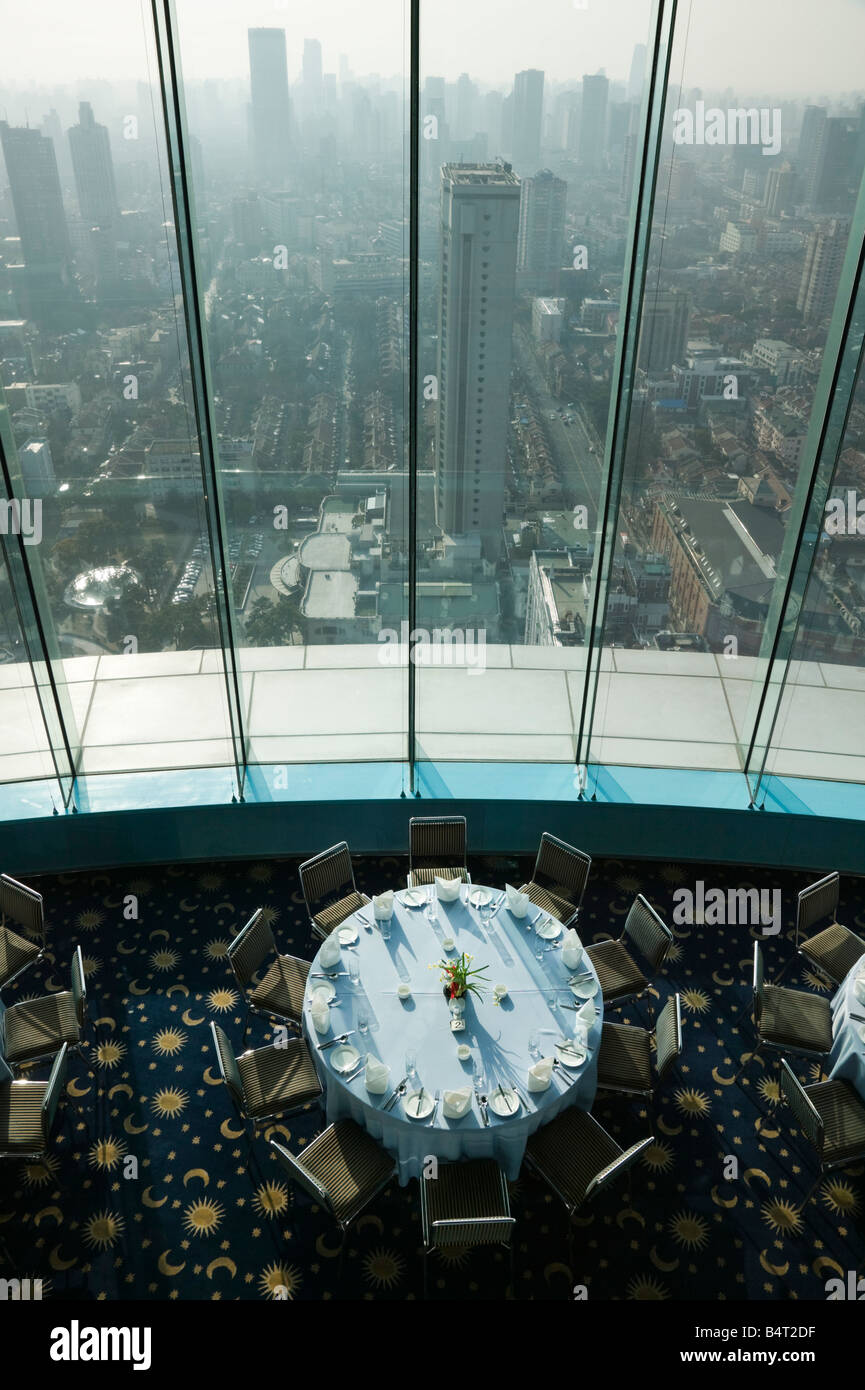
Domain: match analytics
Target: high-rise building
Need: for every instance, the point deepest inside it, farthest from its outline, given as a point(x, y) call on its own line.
point(465, 117)
point(31, 166)
point(824, 257)
point(808, 154)
point(528, 111)
point(313, 81)
point(637, 73)
point(593, 125)
point(541, 232)
point(268, 77)
point(94, 169)
point(835, 160)
point(780, 190)
point(663, 329)
point(480, 210)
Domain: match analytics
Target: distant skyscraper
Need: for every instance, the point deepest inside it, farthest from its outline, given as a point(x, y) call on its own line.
point(808, 154)
point(94, 169)
point(593, 125)
point(542, 231)
point(480, 210)
point(268, 77)
point(638, 72)
point(465, 120)
point(835, 161)
point(313, 83)
point(780, 190)
point(824, 257)
point(663, 329)
point(32, 169)
point(528, 114)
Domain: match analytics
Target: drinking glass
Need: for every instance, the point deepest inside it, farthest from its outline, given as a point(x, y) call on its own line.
point(534, 1043)
point(478, 1073)
point(363, 1021)
point(353, 970)
point(411, 1064)
point(384, 924)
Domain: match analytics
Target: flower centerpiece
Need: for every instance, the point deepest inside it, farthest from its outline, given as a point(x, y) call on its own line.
point(457, 977)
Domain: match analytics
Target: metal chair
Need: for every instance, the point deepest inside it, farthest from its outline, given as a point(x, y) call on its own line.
point(342, 1169)
point(24, 906)
point(577, 1158)
point(834, 950)
point(619, 974)
point(38, 1028)
point(329, 889)
point(625, 1054)
point(831, 1116)
point(466, 1204)
point(559, 878)
point(788, 1020)
point(280, 993)
point(267, 1081)
point(27, 1110)
point(436, 849)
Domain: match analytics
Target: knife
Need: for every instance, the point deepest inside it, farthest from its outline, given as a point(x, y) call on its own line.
point(393, 1095)
point(435, 1107)
point(322, 1047)
point(860, 1018)
point(496, 908)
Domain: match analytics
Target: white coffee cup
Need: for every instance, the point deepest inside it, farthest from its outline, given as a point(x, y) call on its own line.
point(464, 1052)
point(404, 991)
point(448, 943)
point(500, 991)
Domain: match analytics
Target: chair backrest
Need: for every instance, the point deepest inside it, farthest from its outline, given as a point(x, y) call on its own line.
point(79, 987)
point(617, 1166)
point(757, 983)
point(437, 842)
point(477, 1229)
point(228, 1066)
point(327, 878)
point(23, 905)
point(298, 1174)
point(645, 929)
point(53, 1091)
point(815, 902)
point(559, 866)
point(250, 947)
point(668, 1035)
point(807, 1116)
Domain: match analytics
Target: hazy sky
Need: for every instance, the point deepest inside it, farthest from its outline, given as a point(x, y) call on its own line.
point(753, 46)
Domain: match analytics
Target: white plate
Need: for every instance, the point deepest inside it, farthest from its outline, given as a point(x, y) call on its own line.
point(504, 1102)
point(324, 993)
point(548, 928)
point(572, 1055)
point(347, 935)
point(344, 1058)
point(415, 897)
point(411, 1108)
point(584, 989)
point(479, 897)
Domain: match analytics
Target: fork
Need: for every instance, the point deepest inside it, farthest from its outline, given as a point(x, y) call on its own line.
point(435, 1107)
point(482, 1106)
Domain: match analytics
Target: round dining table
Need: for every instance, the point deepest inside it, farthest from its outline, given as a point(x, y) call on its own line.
point(847, 1058)
point(540, 1005)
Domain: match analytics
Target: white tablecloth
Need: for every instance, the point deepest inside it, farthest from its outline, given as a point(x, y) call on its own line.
point(847, 1058)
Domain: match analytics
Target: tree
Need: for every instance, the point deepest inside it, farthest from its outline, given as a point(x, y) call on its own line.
point(271, 624)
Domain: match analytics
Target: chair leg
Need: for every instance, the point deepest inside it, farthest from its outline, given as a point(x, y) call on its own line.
point(513, 1267)
point(425, 1275)
point(245, 1028)
point(749, 1058)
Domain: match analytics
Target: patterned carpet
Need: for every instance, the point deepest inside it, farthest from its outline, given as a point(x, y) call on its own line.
point(147, 1194)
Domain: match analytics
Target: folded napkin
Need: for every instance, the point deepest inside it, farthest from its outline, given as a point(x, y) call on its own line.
point(320, 1015)
point(456, 1103)
point(541, 1074)
point(382, 905)
point(859, 988)
point(587, 1014)
point(572, 949)
point(329, 953)
point(376, 1076)
point(518, 903)
point(448, 889)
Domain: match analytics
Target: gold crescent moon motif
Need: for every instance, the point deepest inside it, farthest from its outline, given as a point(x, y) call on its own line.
point(123, 1086)
point(278, 1129)
point(177, 989)
point(159, 931)
point(191, 1022)
point(765, 1133)
point(720, 1202)
point(558, 1269)
point(125, 950)
point(134, 988)
point(324, 1250)
point(57, 1262)
point(109, 1022)
point(668, 1129)
point(628, 1214)
point(222, 1263)
point(780, 1270)
point(49, 1211)
point(165, 1268)
point(73, 1089)
point(211, 1080)
point(132, 1128)
point(224, 907)
point(750, 1173)
point(228, 1133)
point(109, 902)
point(53, 987)
point(823, 1262)
point(723, 1080)
point(719, 981)
point(198, 1173)
point(370, 1220)
point(663, 1265)
point(187, 907)
point(149, 1201)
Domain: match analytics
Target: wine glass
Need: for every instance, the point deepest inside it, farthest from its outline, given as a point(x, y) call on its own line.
point(411, 1065)
point(534, 1043)
point(354, 970)
point(478, 1074)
